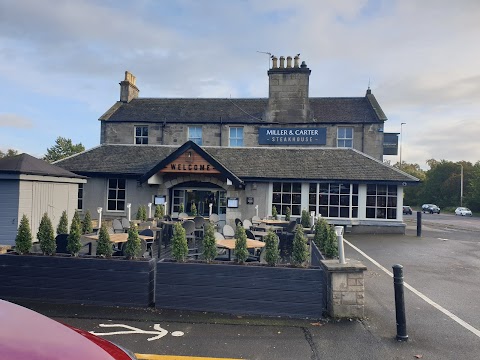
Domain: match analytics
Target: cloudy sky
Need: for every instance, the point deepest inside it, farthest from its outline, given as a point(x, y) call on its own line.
point(61, 62)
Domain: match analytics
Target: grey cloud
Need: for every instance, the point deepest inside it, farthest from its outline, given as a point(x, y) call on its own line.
point(15, 121)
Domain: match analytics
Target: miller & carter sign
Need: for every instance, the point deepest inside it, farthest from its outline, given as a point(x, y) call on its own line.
point(292, 136)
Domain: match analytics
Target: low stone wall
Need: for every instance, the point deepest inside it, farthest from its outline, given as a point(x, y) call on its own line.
point(345, 289)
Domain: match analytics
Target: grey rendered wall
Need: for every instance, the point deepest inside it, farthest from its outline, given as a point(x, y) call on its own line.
point(9, 214)
point(95, 195)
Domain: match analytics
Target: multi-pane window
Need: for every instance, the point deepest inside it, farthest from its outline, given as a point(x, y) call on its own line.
point(141, 135)
point(285, 195)
point(195, 134)
point(345, 137)
point(381, 201)
point(333, 200)
point(222, 202)
point(80, 197)
point(178, 198)
point(236, 137)
point(116, 194)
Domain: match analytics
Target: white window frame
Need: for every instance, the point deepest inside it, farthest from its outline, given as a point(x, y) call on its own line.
point(196, 139)
point(81, 190)
point(233, 141)
point(116, 199)
point(331, 202)
point(382, 204)
point(342, 137)
point(143, 138)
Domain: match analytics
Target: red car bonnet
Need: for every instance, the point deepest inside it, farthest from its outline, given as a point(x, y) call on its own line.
point(27, 335)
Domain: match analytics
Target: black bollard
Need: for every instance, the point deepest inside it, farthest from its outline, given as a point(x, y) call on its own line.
point(419, 223)
point(399, 303)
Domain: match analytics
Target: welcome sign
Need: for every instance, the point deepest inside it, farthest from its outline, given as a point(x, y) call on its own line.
point(292, 136)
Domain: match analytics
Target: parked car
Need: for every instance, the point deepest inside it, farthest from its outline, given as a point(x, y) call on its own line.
point(26, 334)
point(430, 208)
point(463, 211)
point(407, 210)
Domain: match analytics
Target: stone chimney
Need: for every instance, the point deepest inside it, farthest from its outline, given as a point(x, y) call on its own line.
point(288, 91)
point(128, 89)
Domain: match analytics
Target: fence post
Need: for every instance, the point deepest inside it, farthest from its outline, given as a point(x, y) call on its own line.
point(419, 223)
point(399, 303)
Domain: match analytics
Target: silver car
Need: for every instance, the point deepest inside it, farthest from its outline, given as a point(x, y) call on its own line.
point(463, 211)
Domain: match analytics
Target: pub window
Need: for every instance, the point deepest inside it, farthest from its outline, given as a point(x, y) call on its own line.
point(333, 200)
point(178, 198)
point(381, 201)
point(195, 134)
point(80, 197)
point(285, 195)
point(236, 137)
point(141, 135)
point(116, 194)
point(345, 137)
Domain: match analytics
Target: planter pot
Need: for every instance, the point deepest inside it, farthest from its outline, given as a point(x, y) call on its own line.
point(86, 280)
point(241, 289)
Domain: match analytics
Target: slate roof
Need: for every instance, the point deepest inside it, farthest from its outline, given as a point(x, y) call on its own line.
point(240, 111)
point(254, 163)
point(27, 164)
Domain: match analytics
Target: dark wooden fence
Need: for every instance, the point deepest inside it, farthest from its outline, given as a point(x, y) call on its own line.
point(241, 289)
point(77, 280)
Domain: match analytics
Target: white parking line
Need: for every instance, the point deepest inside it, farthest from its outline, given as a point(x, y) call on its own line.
point(419, 294)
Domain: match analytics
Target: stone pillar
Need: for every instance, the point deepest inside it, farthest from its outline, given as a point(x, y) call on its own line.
point(345, 289)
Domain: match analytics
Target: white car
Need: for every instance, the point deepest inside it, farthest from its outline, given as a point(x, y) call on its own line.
point(463, 211)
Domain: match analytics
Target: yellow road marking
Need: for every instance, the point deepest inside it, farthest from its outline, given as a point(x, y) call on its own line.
point(176, 357)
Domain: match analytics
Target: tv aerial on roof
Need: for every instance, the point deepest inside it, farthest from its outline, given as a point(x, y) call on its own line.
point(270, 56)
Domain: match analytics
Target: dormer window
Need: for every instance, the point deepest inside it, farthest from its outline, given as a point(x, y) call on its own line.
point(141, 135)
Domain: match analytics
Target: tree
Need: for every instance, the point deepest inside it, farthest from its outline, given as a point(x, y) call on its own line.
point(104, 246)
point(133, 245)
point(274, 212)
point(159, 211)
point(63, 148)
point(142, 213)
point(209, 245)
point(194, 209)
point(241, 251)
point(305, 220)
point(300, 249)
point(46, 236)
point(331, 245)
point(321, 234)
point(288, 213)
point(23, 241)
point(87, 226)
point(62, 227)
point(9, 152)
point(73, 241)
point(179, 243)
point(272, 252)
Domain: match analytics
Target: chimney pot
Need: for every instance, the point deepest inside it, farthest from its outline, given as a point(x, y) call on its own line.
point(282, 62)
point(274, 61)
point(296, 61)
point(289, 61)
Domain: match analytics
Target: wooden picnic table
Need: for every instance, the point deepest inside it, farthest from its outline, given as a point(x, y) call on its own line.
point(229, 244)
point(118, 237)
point(275, 222)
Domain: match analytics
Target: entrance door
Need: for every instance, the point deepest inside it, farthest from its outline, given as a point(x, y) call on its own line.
point(202, 198)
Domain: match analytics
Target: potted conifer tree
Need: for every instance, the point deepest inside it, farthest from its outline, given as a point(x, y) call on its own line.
point(23, 241)
point(46, 236)
point(62, 227)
